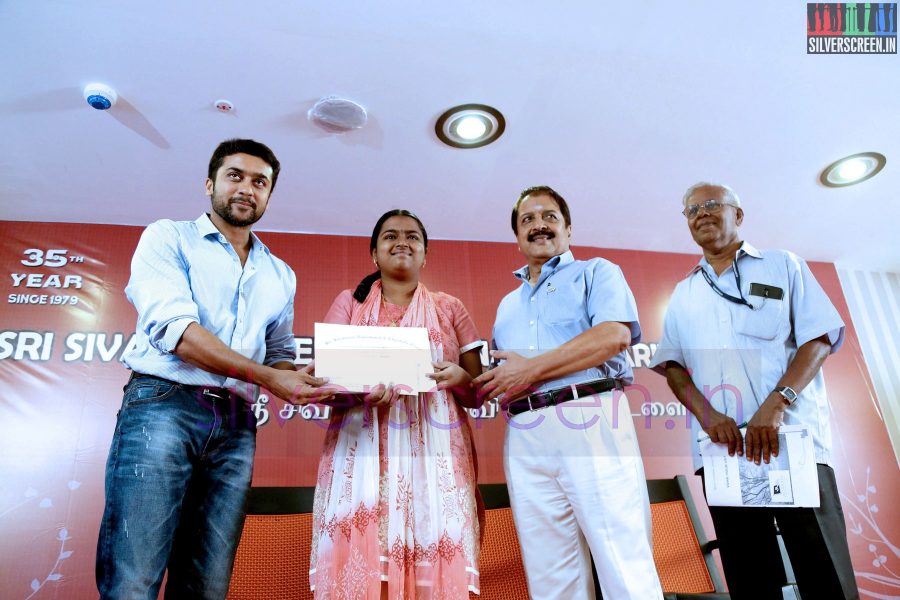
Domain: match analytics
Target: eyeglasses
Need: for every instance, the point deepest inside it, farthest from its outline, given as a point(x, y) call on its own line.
point(711, 206)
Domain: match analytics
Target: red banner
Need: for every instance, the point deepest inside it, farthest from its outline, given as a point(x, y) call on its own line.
point(66, 321)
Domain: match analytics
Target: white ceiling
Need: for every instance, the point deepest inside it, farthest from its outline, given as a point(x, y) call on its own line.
point(619, 106)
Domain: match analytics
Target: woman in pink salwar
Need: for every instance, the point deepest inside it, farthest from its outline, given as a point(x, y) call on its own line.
point(396, 510)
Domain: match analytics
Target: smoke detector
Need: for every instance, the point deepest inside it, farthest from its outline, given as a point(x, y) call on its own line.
point(100, 96)
point(223, 105)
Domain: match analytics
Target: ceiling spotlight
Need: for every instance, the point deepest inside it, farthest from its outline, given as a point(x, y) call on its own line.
point(470, 126)
point(852, 169)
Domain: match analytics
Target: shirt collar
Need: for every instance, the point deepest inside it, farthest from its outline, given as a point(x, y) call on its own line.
point(746, 248)
point(206, 228)
point(554, 263)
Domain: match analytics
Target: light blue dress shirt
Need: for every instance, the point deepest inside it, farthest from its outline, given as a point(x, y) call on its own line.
point(186, 272)
point(570, 297)
point(735, 355)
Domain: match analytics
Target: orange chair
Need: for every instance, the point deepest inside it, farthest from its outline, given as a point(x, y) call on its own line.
point(272, 560)
point(500, 564)
point(683, 555)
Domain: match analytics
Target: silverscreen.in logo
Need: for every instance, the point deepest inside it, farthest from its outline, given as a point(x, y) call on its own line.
point(860, 28)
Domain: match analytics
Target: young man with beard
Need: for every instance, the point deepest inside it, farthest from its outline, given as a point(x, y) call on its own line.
point(752, 328)
point(215, 322)
point(572, 462)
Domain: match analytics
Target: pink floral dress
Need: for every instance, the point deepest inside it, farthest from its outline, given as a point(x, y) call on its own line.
point(396, 494)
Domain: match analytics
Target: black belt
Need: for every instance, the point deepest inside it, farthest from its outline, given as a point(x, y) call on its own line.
point(558, 396)
point(195, 390)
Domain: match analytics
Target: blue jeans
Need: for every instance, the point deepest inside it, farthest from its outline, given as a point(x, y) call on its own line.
point(177, 479)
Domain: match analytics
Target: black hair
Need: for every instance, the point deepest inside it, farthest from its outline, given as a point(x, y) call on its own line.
point(240, 146)
point(535, 191)
point(362, 290)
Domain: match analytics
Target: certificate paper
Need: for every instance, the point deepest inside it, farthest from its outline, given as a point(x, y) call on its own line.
point(358, 358)
point(789, 480)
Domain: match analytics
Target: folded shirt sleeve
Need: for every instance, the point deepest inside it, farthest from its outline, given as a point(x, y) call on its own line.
point(280, 345)
point(669, 347)
point(159, 287)
point(610, 299)
point(812, 312)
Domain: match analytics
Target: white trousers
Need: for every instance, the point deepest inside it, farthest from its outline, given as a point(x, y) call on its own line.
point(577, 487)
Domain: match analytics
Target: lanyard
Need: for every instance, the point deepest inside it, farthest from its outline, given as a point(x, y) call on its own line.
point(729, 297)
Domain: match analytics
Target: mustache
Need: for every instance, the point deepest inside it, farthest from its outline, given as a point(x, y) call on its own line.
point(545, 232)
point(235, 200)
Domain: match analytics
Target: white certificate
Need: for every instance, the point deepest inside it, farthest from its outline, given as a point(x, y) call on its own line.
point(790, 479)
point(358, 358)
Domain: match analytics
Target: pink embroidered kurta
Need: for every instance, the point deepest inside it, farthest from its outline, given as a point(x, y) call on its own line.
point(396, 491)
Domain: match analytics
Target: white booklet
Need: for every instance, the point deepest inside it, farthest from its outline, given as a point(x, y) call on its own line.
point(789, 480)
point(358, 358)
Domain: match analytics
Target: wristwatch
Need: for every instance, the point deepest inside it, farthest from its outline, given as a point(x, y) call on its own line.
point(789, 395)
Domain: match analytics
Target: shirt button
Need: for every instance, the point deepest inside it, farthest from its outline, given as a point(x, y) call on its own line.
point(531, 347)
point(532, 298)
point(531, 322)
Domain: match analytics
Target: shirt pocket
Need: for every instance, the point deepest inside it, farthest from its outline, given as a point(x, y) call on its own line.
point(764, 322)
point(563, 319)
point(563, 305)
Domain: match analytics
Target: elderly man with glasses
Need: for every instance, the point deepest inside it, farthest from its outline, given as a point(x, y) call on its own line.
point(751, 329)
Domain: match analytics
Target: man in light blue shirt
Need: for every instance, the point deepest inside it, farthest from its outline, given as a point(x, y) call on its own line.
point(215, 322)
point(572, 462)
point(745, 337)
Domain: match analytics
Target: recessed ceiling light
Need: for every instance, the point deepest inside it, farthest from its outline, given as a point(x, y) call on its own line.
point(470, 126)
point(852, 169)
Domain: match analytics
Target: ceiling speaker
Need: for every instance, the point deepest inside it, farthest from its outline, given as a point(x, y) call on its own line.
point(337, 115)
